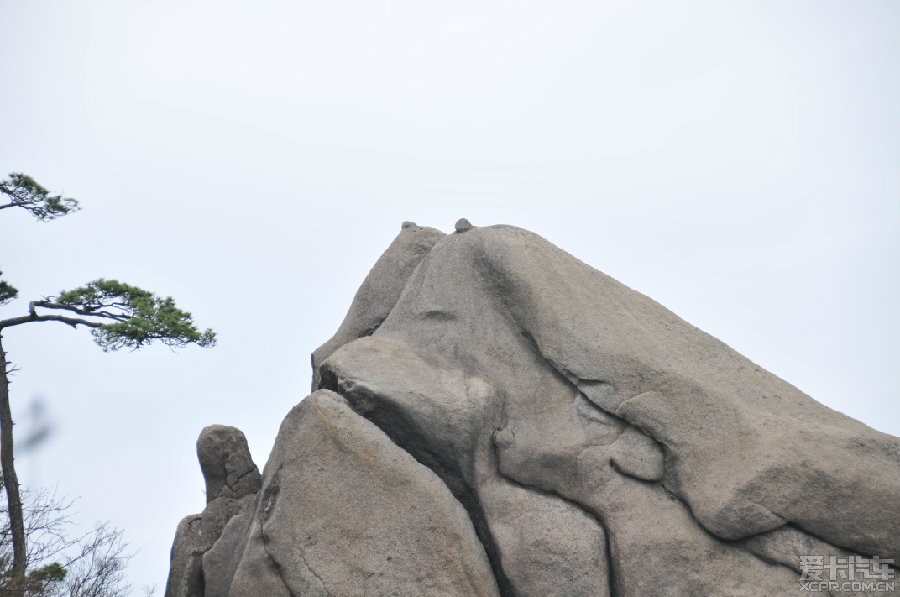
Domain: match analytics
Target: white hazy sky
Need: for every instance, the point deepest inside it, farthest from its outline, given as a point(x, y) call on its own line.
point(739, 162)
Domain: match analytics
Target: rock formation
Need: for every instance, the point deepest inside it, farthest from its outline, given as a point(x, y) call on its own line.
point(494, 417)
point(232, 482)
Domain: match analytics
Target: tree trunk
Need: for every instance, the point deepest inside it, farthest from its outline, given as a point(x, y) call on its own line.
point(16, 587)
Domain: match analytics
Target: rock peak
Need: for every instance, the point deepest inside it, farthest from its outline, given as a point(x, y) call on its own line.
point(494, 417)
point(226, 464)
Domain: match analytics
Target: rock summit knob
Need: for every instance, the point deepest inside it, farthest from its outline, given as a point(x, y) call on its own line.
point(463, 225)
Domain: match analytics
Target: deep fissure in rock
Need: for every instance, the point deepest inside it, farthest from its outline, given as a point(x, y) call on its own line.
point(465, 495)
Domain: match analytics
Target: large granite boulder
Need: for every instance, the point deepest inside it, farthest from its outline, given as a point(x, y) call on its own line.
point(503, 419)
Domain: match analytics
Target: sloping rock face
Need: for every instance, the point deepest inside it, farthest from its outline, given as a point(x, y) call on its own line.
point(495, 417)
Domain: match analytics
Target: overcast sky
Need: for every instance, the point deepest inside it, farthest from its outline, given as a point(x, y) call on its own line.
point(739, 162)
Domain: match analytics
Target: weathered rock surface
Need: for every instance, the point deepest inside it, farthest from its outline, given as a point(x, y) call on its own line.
point(344, 511)
point(447, 419)
point(232, 481)
point(381, 289)
point(507, 420)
